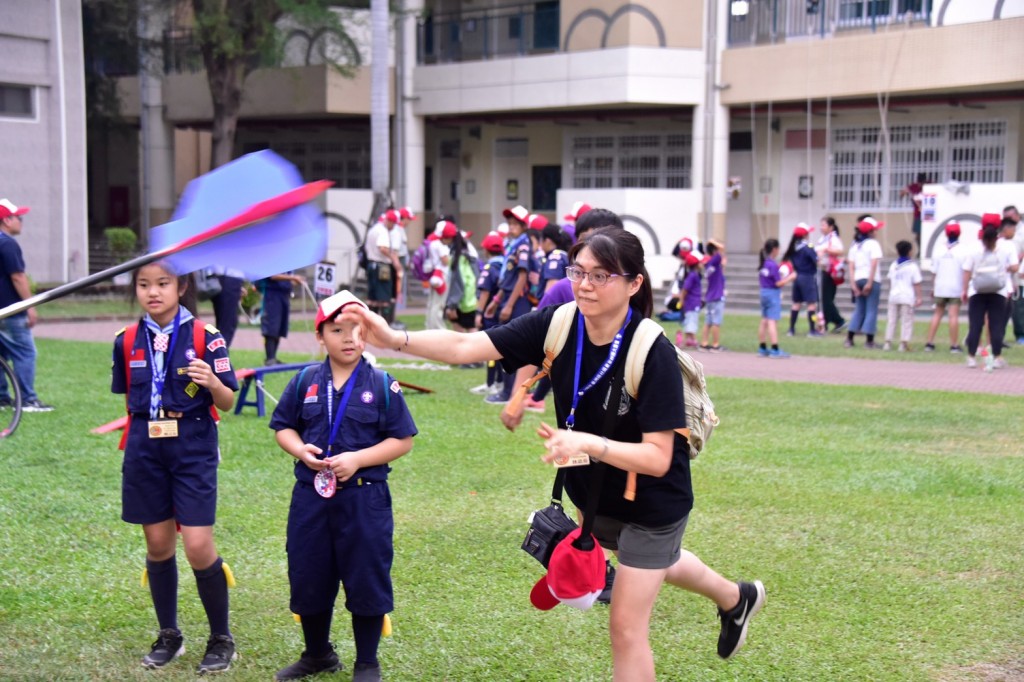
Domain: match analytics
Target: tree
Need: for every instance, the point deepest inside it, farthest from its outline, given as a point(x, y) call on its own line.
point(235, 37)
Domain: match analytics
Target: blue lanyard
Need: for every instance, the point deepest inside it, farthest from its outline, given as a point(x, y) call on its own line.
point(160, 376)
point(613, 352)
point(349, 385)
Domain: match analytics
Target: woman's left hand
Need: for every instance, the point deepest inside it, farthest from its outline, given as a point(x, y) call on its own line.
point(560, 443)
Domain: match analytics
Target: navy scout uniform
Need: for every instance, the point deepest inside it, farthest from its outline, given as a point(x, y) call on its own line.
point(347, 537)
point(519, 256)
point(165, 478)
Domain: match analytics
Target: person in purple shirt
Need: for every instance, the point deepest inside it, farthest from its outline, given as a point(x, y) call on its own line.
point(714, 297)
point(690, 295)
point(771, 280)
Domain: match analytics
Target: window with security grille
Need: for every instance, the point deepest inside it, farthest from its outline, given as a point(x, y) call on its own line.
point(868, 174)
point(650, 160)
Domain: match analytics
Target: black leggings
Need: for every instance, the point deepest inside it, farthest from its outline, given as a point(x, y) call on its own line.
point(978, 306)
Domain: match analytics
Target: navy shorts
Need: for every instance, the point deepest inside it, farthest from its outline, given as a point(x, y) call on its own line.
point(379, 278)
point(274, 315)
point(805, 289)
point(165, 478)
point(348, 538)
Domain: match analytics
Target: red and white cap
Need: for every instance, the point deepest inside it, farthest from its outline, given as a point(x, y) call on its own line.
point(7, 209)
point(575, 577)
point(685, 244)
point(535, 221)
point(869, 225)
point(518, 212)
point(802, 230)
point(578, 209)
point(953, 229)
point(446, 229)
point(692, 258)
point(390, 216)
point(493, 243)
point(332, 305)
point(502, 229)
point(406, 213)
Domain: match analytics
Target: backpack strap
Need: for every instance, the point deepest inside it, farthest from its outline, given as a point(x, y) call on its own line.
point(130, 332)
point(644, 338)
point(554, 342)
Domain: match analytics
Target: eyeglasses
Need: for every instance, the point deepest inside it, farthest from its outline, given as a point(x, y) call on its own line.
point(597, 279)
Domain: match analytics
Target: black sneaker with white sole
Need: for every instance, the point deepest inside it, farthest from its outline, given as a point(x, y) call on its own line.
point(220, 651)
point(35, 405)
point(168, 646)
point(735, 621)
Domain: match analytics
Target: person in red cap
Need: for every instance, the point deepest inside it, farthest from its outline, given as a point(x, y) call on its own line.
point(613, 294)
point(804, 261)
point(383, 265)
point(947, 287)
point(16, 343)
point(833, 273)
point(689, 278)
point(344, 422)
point(988, 282)
point(863, 265)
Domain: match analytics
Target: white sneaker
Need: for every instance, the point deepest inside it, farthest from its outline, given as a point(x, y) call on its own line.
point(999, 363)
point(482, 389)
point(971, 362)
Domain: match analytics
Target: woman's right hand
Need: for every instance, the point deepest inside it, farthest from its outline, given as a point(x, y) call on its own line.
point(373, 328)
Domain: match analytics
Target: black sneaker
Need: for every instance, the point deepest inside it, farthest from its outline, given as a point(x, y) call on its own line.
point(609, 581)
point(956, 349)
point(734, 622)
point(311, 665)
point(6, 402)
point(220, 651)
point(366, 672)
point(35, 405)
point(929, 348)
point(168, 646)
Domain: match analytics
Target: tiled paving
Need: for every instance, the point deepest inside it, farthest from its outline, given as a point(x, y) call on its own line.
point(825, 370)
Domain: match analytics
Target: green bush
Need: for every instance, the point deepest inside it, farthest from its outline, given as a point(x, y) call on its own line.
point(122, 240)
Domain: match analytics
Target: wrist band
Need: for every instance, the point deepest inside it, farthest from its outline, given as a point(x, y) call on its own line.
point(406, 345)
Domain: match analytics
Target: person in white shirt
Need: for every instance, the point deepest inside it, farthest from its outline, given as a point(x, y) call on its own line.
point(381, 270)
point(863, 269)
point(987, 288)
point(830, 260)
point(440, 255)
point(948, 266)
point(1012, 215)
point(904, 296)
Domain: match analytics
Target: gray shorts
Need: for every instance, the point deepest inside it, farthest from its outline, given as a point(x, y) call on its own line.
point(641, 546)
point(942, 302)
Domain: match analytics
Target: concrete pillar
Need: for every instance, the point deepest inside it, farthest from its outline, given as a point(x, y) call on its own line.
point(411, 175)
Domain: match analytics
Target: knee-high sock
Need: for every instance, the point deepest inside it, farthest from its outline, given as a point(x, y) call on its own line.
point(793, 315)
point(213, 592)
point(270, 345)
point(163, 587)
point(316, 630)
point(366, 630)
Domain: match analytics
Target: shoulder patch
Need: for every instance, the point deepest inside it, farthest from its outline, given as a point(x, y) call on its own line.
point(213, 330)
point(395, 387)
point(120, 331)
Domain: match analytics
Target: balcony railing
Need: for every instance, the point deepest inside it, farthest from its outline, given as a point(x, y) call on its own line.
point(756, 22)
point(473, 35)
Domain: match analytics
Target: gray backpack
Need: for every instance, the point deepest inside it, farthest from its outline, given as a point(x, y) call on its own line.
point(989, 275)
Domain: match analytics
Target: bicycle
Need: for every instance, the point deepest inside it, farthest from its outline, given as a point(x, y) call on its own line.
point(10, 410)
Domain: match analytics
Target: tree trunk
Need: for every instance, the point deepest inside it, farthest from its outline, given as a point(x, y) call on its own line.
point(226, 90)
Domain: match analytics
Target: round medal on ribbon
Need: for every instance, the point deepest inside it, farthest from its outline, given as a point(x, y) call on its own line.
point(325, 483)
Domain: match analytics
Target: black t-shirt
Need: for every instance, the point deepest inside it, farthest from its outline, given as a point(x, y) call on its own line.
point(659, 407)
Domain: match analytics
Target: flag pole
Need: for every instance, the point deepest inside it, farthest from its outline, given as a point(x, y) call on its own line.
point(253, 215)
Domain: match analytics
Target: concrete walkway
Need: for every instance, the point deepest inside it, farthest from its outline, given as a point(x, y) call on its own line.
point(822, 370)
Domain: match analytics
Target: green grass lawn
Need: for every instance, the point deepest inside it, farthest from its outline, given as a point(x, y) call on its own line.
point(887, 526)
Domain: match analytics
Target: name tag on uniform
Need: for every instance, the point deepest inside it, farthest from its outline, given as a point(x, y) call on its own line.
point(182, 370)
point(163, 428)
point(579, 460)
